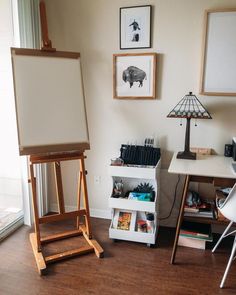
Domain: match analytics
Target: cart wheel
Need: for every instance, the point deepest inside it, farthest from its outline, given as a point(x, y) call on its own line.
point(151, 245)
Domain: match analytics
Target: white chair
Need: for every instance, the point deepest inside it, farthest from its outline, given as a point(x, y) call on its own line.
point(228, 209)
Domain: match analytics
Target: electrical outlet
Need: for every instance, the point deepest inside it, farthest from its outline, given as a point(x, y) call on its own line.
point(97, 179)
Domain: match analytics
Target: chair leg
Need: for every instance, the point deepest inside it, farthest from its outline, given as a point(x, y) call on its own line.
point(229, 263)
point(222, 236)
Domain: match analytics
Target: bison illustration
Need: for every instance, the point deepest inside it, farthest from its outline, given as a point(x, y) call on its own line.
point(133, 74)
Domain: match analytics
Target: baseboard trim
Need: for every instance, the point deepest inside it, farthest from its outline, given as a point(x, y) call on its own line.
point(106, 214)
point(98, 213)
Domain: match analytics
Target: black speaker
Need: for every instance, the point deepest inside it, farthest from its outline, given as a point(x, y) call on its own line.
point(228, 150)
point(234, 148)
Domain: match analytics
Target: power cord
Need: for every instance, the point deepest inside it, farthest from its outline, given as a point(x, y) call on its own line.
point(173, 204)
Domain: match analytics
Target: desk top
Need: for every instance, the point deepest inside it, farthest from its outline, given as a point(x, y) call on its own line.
point(205, 165)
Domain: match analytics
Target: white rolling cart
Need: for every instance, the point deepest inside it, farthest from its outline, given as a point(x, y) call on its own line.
point(131, 177)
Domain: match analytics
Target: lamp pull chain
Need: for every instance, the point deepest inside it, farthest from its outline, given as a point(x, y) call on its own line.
point(195, 122)
point(181, 122)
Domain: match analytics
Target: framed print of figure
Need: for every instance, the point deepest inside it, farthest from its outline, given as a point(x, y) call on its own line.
point(135, 27)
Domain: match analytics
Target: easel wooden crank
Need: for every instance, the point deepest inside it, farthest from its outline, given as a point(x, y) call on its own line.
point(56, 153)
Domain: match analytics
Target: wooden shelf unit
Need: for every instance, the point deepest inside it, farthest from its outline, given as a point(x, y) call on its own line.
point(212, 169)
point(200, 219)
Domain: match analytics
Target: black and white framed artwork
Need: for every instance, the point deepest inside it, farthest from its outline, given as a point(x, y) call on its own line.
point(135, 27)
point(134, 76)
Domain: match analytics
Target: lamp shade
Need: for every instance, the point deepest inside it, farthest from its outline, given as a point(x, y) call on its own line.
point(189, 107)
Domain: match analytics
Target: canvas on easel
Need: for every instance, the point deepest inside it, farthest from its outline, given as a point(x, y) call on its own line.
point(50, 106)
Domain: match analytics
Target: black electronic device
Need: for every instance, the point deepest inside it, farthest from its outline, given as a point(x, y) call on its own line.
point(140, 155)
point(228, 150)
point(234, 148)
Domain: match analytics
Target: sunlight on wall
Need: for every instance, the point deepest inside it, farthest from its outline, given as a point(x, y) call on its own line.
point(10, 182)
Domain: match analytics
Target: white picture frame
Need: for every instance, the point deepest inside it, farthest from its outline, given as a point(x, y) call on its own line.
point(218, 58)
point(134, 76)
point(135, 27)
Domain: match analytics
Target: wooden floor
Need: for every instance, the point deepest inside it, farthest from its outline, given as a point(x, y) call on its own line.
point(127, 268)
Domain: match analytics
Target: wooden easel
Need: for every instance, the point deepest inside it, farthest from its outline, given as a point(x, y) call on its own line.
point(81, 228)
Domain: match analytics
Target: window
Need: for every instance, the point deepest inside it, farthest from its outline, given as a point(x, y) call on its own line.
point(11, 202)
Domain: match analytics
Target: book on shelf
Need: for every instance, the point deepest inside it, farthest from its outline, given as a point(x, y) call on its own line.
point(124, 220)
point(195, 235)
point(204, 214)
point(196, 208)
point(205, 209)
point(190, 209)
point(192, 243)
point(196, 230)
point(140, 196)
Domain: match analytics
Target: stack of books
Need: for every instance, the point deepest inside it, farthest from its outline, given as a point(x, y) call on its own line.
point(195, 235)
point(205, 209)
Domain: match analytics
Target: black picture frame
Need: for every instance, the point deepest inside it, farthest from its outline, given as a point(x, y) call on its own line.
point(135, 27)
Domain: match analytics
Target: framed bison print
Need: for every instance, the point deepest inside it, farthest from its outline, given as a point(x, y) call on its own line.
point(135, 27)
point(134, 76)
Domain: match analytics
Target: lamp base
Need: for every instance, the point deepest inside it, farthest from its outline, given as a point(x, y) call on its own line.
point(186, 155)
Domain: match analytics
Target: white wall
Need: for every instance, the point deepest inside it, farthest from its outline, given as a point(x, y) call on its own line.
point(92, 28)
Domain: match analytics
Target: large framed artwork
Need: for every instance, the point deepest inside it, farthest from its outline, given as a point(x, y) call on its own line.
point(219, 59)
point(135, 27)
point(134, 76)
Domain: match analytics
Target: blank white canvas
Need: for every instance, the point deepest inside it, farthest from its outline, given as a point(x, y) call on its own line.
point(220, 64)
point(49, 101)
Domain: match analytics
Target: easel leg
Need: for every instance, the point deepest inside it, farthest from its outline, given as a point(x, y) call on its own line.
point(79, 196)
point(85, 198)
point(84, 229)
point(59, 188)
point(35, 207)
point(97, 248)
point(41, 265)
point(180, 218)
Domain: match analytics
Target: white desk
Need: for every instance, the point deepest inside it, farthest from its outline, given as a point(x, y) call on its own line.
point(205, 165)
point(207, 168)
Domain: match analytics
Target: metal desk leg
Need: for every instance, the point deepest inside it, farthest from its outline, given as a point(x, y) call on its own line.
point(180, 218)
